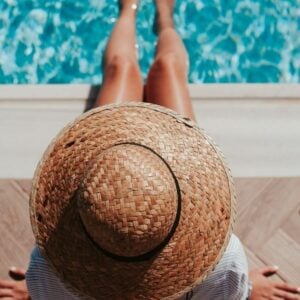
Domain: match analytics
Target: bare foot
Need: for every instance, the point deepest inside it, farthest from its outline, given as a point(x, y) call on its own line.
point(164, 14)
point(264, 288)
point(16, 290)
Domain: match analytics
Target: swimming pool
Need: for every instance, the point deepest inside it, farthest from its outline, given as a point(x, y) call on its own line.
point(49, 41)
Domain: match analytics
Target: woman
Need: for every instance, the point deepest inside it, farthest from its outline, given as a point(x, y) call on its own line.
point(167, 86)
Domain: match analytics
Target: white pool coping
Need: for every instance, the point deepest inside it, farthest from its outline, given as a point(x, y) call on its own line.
point(197, 91)
point(256, 125)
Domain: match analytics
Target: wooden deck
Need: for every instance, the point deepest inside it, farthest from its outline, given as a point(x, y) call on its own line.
point(268, 224)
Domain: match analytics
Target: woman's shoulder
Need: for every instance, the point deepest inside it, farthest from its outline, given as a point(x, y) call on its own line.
point(229, 279)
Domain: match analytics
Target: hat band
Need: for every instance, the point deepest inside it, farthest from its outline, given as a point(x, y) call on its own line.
point(148, 255)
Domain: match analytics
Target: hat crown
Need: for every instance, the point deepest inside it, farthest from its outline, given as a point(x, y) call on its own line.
point(128, 200)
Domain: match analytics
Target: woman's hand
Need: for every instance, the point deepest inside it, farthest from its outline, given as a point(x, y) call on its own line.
point(16, 289)
point(265, 289)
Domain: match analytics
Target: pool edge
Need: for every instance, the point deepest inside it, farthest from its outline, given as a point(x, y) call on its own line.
point(197, 91)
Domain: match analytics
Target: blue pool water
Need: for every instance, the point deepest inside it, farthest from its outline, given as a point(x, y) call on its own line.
point(49, 41)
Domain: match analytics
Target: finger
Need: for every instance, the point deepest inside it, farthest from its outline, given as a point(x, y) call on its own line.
point(287, 287)
point(276, 298)
point(6, 293)
point(286, 295)
point(6, 284)
point(269, 270)
point(17, 273)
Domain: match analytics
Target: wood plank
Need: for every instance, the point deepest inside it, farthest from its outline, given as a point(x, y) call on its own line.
point(292, 225)
point(253, 261)
point(269, 209)
point(256, 263)
point(16, 236)
point(25, 185)
point(283, 251)
point(248, 190)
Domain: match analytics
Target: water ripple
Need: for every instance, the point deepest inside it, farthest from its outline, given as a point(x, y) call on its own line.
point(227, 40)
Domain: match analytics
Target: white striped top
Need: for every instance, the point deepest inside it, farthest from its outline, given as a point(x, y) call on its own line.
point(228, 281)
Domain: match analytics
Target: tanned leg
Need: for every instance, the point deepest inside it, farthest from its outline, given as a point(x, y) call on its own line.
point(167, 86)
point(122, 79)
point(122, 82)
point(167, 79)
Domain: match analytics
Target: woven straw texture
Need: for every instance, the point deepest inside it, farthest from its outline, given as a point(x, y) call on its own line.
point(132, 201)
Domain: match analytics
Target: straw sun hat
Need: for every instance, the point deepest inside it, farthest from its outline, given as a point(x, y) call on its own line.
point(132, 201)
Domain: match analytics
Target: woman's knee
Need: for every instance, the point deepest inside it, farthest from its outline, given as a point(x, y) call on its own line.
point(169, 62)
point(120, 64)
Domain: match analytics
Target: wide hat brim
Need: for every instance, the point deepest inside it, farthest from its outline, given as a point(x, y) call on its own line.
point(206, 200)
